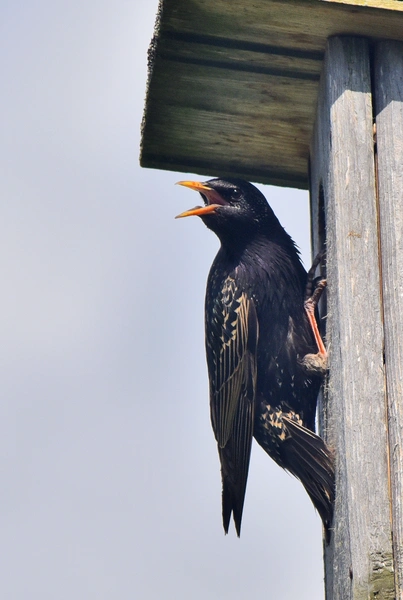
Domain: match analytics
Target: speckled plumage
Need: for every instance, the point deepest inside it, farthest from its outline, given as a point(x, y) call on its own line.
point(257, 335)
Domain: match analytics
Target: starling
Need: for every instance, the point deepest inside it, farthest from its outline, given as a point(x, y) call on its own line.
point(258, 333)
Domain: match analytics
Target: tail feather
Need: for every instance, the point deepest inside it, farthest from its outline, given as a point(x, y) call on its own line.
point(306, 456)
point(234, 478)
point(234, 458)
point(232, 504)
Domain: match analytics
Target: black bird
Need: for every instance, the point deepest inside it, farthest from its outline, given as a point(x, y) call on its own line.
point(257, 335)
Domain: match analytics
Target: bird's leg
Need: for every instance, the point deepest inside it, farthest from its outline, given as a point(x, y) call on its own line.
point(311, 281)
point(315, 363)
point(310, 306)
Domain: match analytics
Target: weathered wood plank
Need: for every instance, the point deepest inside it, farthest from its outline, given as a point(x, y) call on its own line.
point(282, 39)
point(304, 24)
point(358, 560)
point(389, 4)
point(259, 58)
point(202, 88)
point(252, 123)
point(388, 91)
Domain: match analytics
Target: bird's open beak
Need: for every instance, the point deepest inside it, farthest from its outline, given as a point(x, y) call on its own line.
point(212, 197)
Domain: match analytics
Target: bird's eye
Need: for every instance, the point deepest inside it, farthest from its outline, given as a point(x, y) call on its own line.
point(236, 194)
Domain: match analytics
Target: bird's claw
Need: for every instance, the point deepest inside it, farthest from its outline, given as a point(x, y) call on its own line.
point(314, 364)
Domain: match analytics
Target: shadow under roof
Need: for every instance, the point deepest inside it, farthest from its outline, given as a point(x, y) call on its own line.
point(233, 84)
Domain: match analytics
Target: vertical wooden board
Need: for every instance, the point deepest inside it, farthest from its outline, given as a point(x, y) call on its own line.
point(358, 560)
point(388, 92)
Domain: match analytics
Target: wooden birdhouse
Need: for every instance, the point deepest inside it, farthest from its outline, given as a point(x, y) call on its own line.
point(309, 94)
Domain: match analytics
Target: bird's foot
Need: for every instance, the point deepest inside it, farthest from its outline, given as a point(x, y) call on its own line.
point(314, 364)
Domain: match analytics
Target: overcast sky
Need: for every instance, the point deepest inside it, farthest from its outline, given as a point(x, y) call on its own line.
point(110, 482)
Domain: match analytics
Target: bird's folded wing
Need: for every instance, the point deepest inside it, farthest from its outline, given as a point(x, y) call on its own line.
point(231, 353)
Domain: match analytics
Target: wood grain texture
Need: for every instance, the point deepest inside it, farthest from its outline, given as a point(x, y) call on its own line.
point(358, 560)
point(238, 141)
point(233, 85)
point(297, 24)
point(389, 4)
point(388, 91)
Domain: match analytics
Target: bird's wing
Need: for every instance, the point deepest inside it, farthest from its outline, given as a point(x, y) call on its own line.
point(231, 337)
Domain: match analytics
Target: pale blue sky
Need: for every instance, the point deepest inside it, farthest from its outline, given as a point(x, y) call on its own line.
point(110, 483)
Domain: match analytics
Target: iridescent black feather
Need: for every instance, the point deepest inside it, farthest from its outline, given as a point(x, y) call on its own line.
point(257, 334)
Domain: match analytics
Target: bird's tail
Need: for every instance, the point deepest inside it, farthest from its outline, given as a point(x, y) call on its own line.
point(234, 478)
point(307, 457)
point(304, 454)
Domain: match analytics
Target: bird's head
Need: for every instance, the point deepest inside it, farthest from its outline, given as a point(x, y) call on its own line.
point(233, 208)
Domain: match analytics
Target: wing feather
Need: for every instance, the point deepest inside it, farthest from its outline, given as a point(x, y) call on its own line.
point(231, 338)
point(231, 354)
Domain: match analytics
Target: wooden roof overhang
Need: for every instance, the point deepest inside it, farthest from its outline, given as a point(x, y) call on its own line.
point(233, 85)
